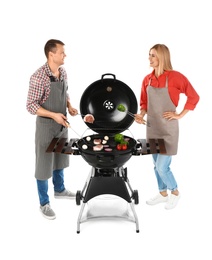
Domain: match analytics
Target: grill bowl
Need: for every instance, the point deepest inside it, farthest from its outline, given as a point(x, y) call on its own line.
point(104, 159)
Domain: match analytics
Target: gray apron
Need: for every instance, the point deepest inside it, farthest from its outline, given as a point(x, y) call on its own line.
point(46, 130)
point(159, 102)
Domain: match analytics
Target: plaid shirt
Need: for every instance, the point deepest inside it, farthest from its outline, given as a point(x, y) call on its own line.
point(39, 87)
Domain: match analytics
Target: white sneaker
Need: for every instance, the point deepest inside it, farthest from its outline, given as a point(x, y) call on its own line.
point(157, 199)
point(172, 202)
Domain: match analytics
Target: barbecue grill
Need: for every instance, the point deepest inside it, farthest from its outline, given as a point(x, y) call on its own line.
point(108, 173)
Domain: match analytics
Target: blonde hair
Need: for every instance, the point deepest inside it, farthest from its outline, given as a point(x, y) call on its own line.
point(164, 57)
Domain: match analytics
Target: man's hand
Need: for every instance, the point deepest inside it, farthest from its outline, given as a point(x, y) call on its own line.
point(61, 119)
point(72, 111)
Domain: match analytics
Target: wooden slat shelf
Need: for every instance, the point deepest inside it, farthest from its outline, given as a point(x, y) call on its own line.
point(61, 145)
point(50, 149)
point(152, 146)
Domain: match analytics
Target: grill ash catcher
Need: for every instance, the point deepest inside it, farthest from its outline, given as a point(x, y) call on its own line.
point(108, 176)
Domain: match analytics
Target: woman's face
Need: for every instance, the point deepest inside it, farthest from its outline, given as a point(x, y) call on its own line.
point(153, 60)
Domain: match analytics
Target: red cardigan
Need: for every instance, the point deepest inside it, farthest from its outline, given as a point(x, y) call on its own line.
point(177, 84)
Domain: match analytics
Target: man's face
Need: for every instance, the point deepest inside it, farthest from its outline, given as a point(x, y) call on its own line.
point(59, 55)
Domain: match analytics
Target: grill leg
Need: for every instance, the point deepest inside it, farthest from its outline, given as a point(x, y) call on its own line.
point(79, 218)
point(122, 173)
point(135, 216)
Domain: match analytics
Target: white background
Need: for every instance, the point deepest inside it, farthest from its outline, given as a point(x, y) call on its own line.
point(105, 37)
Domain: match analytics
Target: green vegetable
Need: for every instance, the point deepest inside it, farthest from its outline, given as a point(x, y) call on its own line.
point(119, 138)
point(124, 142)
point(121, 108)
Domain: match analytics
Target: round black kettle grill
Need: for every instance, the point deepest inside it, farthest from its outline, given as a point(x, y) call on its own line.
point(107, 175)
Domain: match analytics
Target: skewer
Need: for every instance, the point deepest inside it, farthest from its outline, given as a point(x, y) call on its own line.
point(72, 128)
point(122, 108)
point(132, 115)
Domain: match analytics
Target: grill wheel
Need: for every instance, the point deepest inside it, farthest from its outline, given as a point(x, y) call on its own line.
point(78, 197)
point(135, 196)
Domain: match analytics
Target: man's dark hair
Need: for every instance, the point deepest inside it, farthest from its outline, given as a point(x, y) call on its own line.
point(51, 45)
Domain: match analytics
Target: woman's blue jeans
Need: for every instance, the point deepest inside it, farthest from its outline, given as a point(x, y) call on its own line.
point(163, 173)
point(42, 185)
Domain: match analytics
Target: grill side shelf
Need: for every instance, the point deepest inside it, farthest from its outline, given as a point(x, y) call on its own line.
point(151, 147)
point(62, 145)
point(162, 146)
point(70, 145)
point(51, 146)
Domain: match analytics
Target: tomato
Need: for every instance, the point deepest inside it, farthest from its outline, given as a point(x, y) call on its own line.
point(124, 147)
point(121, 147)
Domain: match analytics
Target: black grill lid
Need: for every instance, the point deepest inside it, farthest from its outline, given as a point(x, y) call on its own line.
point(101, 99)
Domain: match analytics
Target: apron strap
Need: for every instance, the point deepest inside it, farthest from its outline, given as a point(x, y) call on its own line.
point(52, 79)
point(165, 85)
point(166, 82)
point(149, 82)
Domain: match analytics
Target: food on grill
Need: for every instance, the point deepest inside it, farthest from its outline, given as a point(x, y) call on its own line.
point(121, 146)
point(88, 138)
point(118, 147)
point(104, 141)
point(84, 147)
point(97, 141)
point(98, 147)
point(106, 138)
point(124, 146)
point(121, 108)
point(108, 149)
point(106, 145)
point(122, 142)
point(119, 138)
point(89, 118)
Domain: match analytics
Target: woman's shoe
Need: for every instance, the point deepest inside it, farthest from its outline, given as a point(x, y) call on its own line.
point(157, 199)
point(172, 202)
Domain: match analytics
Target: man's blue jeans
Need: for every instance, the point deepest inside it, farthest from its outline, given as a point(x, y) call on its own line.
point(163, 173)
point(42, 185)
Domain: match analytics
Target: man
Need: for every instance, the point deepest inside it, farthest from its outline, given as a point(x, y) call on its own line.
point(49, 100)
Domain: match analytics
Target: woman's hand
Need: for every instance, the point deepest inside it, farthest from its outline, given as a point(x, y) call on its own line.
point(139, 119)
point(171, 115)
point(174, 115)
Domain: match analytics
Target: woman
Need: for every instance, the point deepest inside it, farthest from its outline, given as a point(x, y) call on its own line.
point(160, 94)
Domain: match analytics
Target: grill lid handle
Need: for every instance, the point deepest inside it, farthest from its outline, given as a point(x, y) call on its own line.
point(109, 74)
